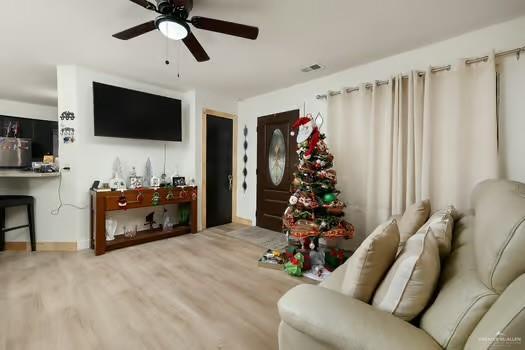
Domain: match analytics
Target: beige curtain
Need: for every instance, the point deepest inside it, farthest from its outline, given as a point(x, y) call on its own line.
point(426, 136)
point(350, 145)
point(460, 133)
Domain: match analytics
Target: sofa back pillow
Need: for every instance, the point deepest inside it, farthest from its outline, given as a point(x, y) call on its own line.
point(442, 226)
point(412, 219)
point(410, 282)
point(370, 262)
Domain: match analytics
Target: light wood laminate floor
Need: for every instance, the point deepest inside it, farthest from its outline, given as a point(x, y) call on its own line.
point(201, 291)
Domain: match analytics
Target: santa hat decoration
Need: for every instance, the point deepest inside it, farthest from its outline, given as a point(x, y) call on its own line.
point(299, 122)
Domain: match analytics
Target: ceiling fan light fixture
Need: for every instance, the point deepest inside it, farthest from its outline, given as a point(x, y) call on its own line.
point(172, 28)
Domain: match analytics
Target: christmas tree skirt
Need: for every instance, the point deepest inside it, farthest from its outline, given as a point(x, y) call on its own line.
point(260, 237)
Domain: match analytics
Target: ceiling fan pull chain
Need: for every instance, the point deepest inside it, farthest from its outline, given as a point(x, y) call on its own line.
point(167, 51)
point(179, 58)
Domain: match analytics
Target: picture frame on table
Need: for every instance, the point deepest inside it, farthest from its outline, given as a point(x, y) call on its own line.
point(179, 181)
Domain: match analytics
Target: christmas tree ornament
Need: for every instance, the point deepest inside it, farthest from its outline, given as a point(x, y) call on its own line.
point(329, 198)
point(293, 200)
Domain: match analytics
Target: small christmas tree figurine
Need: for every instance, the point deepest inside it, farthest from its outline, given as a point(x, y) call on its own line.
point(313, 209)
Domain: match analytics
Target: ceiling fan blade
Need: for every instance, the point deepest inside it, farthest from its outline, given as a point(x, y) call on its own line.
point(144, 3)
point(136, 31)
point(195, 48)
point(224, 27)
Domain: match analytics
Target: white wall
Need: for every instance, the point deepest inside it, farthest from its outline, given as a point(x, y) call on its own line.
point(43, 189)
point(499, 37)
point(91, 157)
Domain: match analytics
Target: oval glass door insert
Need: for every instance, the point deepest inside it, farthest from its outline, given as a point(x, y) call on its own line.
point(277, 157)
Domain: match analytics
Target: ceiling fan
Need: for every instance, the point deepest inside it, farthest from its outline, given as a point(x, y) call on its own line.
point(173, 21)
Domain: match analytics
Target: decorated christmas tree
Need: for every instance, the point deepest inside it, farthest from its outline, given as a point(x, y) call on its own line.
point(314, 209)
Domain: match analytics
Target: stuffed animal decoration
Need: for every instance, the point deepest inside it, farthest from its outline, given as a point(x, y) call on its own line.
point(316, 256)
point(307, 127)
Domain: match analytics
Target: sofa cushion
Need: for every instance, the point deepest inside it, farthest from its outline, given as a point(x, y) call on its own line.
point(442, 225)
point(504, 324)
point(413, 218)
point(462, 299)
point(410, 282)
point(343, 322)
point(370, 262)
point(499, 232)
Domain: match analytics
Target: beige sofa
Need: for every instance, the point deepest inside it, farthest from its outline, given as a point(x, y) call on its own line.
point(479, 304)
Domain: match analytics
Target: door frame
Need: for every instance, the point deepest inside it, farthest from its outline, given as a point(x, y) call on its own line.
point(204, 124)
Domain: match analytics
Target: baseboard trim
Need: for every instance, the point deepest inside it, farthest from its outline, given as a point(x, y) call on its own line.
point(42, 246)
point(243, 221)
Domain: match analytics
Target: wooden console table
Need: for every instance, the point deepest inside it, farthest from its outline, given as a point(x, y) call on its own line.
point(102, 202)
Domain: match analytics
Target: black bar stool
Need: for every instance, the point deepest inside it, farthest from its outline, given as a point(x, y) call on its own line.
point(15, 201)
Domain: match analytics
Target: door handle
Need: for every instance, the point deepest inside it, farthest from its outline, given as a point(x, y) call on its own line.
point(230, 181)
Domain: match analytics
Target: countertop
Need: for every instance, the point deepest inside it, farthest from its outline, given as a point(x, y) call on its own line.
point(25, 174)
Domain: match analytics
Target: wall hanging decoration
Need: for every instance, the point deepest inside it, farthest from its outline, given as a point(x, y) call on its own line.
point(68, 134)
point(245, 158)
point(170, 195)
point(140, 197)
point(67, 115)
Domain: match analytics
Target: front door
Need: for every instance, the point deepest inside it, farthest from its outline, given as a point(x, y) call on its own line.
point(219, 181)
point(276, 161)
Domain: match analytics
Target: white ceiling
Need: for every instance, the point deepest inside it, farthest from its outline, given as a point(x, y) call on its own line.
point(37, 35)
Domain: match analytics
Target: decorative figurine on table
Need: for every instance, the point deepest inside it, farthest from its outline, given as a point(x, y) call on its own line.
point(122, 200)
point(295, 265)
point(111, 228)
point(148, 173)
point(134, 180)
point(149, 220)
point(316, 257)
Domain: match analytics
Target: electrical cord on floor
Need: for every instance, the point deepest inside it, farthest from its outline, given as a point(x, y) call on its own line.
point(61, 204)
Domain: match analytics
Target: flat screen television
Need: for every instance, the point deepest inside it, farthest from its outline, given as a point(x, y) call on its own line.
point(133, 114)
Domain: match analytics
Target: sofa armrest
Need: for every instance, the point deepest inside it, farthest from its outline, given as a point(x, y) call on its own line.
point(346, 323)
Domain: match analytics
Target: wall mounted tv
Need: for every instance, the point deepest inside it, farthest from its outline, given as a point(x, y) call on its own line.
point(133, 114)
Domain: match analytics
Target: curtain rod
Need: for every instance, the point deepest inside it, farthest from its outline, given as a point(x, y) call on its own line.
point(516, 51)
